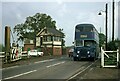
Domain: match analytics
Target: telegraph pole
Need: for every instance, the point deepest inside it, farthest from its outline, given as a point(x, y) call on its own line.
point(106, 22)
point(113, 7)
point(106, 11)
point(7, 44)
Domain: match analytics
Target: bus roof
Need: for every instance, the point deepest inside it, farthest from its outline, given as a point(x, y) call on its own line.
point(86, 25)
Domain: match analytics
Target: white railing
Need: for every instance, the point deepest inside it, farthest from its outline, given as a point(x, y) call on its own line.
point(107, 54)
point(24, 53)
point(1, 54)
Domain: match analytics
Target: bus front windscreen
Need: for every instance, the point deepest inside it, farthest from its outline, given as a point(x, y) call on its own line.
point(79, 43)
point(89, 43)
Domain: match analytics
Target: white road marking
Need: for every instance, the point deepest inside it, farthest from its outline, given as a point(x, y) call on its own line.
point(45, 61)
point(30, 63)
point(55, 64)
point(10, 67)
point(19, 75)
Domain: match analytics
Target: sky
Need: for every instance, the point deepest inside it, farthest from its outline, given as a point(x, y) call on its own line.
point(67, 15)
point(119, 20)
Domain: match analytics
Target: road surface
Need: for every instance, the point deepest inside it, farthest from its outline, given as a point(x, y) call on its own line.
point(58, 68)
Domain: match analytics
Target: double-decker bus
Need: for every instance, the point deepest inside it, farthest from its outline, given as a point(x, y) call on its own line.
point(86, 42)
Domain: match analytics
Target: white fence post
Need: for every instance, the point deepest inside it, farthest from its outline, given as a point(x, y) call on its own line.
point(102, 57)
point(117, 57)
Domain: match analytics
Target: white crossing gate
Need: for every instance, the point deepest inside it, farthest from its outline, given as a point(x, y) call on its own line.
point(109, 58)
point(16, 53)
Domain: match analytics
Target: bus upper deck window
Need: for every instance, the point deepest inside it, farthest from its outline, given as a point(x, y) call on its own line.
point(91, 30)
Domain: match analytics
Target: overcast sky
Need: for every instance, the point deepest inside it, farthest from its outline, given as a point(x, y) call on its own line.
point(66, 14)
point(119, 21)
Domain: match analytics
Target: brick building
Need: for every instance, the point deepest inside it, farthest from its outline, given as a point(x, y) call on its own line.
point(49, 40)
point(28, 44)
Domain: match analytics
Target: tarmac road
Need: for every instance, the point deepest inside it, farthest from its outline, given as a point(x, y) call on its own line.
point(98, 73)
point(58, 68)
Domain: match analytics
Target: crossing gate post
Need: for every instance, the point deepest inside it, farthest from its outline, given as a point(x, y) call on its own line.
point(102, 58)
point(117, 57)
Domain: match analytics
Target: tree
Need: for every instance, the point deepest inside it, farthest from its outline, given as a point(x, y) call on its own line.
point(101, 39)
point(63, 35)
point(33, 25)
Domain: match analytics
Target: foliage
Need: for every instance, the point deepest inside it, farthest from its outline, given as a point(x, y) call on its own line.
point(113, 45)
point(2, 48)
point(101, 39)
point(63, 35)
point(61, 30)
point(63, 42)
point(33, 25)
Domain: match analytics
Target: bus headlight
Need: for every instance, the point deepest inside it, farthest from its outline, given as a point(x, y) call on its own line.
point(88, 52)
point(78, 51)
point(77, 55)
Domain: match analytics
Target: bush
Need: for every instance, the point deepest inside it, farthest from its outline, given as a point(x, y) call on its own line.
point(113, 45)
